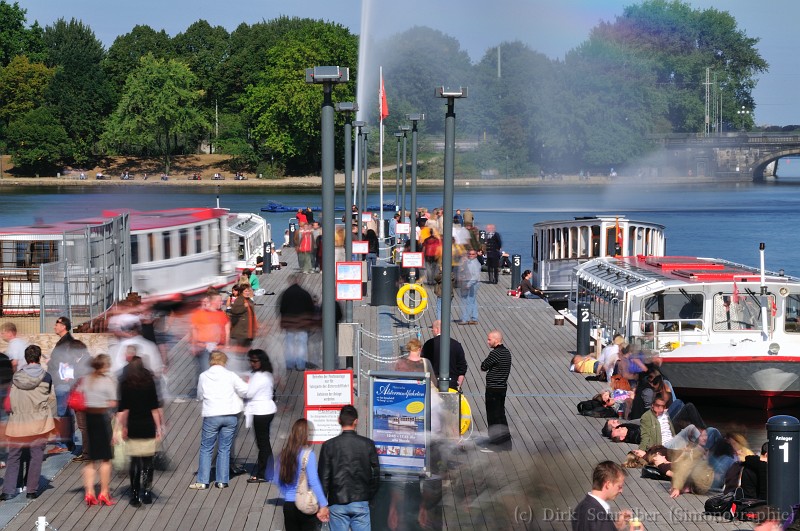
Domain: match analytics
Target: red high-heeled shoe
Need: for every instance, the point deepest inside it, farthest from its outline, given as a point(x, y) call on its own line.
point(90, 499)
point(105, 499)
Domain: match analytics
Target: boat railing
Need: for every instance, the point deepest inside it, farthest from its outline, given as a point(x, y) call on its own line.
point(666, 335)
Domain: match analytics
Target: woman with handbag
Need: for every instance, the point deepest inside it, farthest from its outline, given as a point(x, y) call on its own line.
point(259, 411)
point(304, 504)
point(100, 392)
point(141, 419)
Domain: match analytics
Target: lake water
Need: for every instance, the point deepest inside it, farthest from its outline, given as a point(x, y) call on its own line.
point(720, 221)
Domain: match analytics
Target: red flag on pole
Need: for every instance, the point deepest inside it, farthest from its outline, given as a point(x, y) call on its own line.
point(384, 105)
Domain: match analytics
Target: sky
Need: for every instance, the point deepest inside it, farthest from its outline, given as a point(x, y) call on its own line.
point(552, 28)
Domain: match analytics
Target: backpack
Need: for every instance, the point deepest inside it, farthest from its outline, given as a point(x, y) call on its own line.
point(595, 408)
point(734, 505)
point(431, 247)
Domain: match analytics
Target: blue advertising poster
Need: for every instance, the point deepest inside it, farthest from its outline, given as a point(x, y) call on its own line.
point(399, 423)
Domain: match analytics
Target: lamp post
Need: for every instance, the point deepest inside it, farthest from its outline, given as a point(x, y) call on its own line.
point(364, 176)
point(399, 136)
point(327, 76)
point(348, 108)
point(356, 200)
point(743, 113)
point(447, 230)
point(405, 129)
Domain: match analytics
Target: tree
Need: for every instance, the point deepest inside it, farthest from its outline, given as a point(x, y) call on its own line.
point(37, 142)
point(282, 110)
point(80, 92)
point(22, 87)
point(159, 102)
point(124, 54)
point(204, 49)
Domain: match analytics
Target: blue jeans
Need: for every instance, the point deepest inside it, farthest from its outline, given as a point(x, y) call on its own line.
point(354, 516)
point(372, 259)
point(470, 295)
point(220, 430)
point(295, 349)
point(66, 426)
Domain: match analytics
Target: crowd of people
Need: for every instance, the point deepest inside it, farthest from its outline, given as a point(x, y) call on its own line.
point(671, 441)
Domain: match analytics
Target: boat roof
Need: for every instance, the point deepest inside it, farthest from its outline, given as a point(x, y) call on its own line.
point(139, 221)
point(583, 220)
point(634, 271)
point(245, 224)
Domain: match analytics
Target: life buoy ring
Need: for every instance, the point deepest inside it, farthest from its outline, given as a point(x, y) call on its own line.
point(465, 413)
point(421, 303)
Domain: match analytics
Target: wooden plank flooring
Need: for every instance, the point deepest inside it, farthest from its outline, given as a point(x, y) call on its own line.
point(531, 486)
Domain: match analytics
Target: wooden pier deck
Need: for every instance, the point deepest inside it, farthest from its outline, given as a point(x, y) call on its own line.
point(532, 485)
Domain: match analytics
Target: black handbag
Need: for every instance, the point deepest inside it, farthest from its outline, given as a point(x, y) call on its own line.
point(652, 472)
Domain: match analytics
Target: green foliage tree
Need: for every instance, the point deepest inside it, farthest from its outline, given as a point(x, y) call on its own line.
point(22, 87)
point(159, 103)
point(124, 54)
point(204, 49)
point(80, 92)
point(37, 142)
point(282, 110)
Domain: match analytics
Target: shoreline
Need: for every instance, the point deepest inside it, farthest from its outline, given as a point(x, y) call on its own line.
point(314, 182)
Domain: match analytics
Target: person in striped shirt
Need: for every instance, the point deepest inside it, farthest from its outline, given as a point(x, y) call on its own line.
point(497, 366)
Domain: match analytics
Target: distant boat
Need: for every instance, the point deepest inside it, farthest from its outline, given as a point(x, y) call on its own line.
point(403, 422)
point(274, 206)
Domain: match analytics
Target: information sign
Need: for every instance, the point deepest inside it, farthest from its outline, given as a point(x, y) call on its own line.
point(413, 260)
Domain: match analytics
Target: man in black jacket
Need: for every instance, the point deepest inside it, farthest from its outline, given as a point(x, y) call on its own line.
point(593, 513)
point(458, 361)
point(349, 473)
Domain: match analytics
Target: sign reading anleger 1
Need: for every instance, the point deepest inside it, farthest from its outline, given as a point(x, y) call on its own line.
point(329, 388)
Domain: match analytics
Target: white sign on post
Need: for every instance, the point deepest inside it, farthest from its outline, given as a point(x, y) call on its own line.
point(325, 423)
point(360, 247)
point(402, 228)
point(412, 260)
point(324, 389)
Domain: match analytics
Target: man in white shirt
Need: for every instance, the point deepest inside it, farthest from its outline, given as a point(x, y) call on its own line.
point(16, 345)
point(609, 356)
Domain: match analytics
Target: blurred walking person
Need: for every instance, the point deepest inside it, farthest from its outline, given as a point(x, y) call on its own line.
point(210, 329)
point(30, 421)
point(142, 420)
point(243, 319)
point(100, 391)
point(296, 307)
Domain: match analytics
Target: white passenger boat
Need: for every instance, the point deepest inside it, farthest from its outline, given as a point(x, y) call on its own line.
point(174, 252)
point(722, 329)
point(558, 247)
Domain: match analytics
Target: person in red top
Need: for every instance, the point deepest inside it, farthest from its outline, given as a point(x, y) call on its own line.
point(301, 217)
point(210, 329)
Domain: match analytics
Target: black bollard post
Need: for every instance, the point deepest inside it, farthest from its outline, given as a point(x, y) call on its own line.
point(292, 230)
point(584, 323)
point(266, 266)
point(516, 271)
point(783, 463)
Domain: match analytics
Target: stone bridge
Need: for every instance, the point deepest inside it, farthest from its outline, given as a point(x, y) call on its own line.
point(729, 156)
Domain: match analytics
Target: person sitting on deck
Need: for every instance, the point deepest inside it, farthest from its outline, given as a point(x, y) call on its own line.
point(583, 364)
point(609, 356)
point(525, 288)
point(657, 429)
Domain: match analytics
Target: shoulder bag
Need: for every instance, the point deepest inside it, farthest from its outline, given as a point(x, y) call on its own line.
point(305, 501)
point(76, 400)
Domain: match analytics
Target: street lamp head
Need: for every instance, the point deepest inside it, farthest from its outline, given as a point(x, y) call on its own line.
point(359, 123)
point(327, 74)
point(399, 135)
point(404, 128)
point(442, 92)
point(416, 117)
point(347, 106)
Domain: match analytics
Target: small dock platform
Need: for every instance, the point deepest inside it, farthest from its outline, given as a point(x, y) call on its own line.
point(532, 485)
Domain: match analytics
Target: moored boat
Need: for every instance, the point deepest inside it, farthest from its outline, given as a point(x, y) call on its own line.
point(558, 247)
point(721, 329)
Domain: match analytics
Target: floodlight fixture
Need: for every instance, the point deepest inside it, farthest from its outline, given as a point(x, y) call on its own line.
point(359, 123)
point(442, 92)
point(399, 135)
point(415, 117)
point(405, 128)
point(347, 106)
point(327, 74)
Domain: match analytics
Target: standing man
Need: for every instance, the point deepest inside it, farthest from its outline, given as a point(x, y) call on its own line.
point(296, 307)
point(209, 330)
point(393, 229)
point(33, 405)
point(458, 361)
point(349, 473)
point(469, 218)
point(69, 361)
point(593, 513)
point(16, 345)
point(469, 274)
point(497, 367)
point(494, 245)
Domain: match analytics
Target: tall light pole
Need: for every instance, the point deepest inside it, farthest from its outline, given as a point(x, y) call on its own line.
point(447, 230)
point(414, 118)
point(348, 108)
point(327, 76)
point(359, 125)
point(744, 112)
point(405, 129)
point(364, 175)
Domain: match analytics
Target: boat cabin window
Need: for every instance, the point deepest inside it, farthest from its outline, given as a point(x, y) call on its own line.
point(240, 254)
point(595, 241)
point(672, 312)
point(183, 239)
point(792, 315)
point(736, 313)
point(134, 249)
point(198, 239)
point(151, 246)
point(612, 249)
point(167, 239)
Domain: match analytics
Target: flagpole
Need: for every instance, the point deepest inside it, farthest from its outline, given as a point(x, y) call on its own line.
point(380, 158)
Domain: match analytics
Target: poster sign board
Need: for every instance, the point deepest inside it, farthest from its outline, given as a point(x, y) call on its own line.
point(400, 420)
point(366, 217)
point(413, 260)
point(325, 394)
point(348, 281)
point(402, 228)
point(360, 247)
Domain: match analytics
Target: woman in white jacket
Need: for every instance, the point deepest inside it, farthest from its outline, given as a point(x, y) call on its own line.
point(221, 392)
point(259, 411)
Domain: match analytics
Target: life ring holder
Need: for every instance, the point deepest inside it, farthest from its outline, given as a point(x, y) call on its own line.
point(421, 304)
